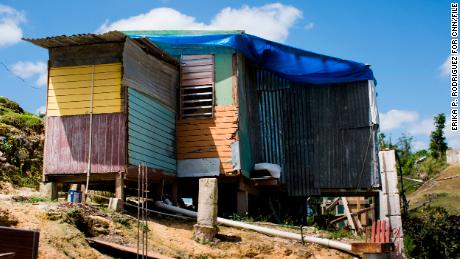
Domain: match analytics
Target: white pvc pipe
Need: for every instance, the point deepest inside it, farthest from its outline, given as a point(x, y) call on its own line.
point(264, 230)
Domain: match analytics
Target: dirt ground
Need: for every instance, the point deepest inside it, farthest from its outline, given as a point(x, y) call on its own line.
point(169, 237)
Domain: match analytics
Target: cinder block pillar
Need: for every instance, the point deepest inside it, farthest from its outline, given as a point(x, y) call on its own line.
point(206, 227)
point(49, 189)
point(242, 203)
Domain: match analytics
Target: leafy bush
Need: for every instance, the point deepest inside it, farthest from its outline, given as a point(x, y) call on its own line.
point(432, 232)
point(26, 122)
point(10, 105)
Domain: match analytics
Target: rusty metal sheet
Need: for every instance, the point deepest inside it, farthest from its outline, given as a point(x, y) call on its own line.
point(67, 144)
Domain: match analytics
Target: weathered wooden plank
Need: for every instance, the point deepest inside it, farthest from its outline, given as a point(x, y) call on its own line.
point(151, 130)
point(195, 69)
point(189, 127)
point(197, 75)
point(76, 104)
point(83, 97)
point(79, 70)
point(194, 57)
point(84, 90)
point(204, 143)
point(197, 81)
point(222, 156)
point(85, 77)
point(211, 148)
point(153, 163)
point(140, 119)
point(96, 110)
point(147, 129)
point(147, 150)
point(114, 82)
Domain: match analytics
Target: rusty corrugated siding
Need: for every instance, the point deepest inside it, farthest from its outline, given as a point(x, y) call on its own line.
point(322, 136)
point(67, 144)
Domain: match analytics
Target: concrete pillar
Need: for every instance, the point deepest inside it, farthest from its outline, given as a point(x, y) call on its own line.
point(206, 227)
point(119, 186)
point(119, 192)
point(242, 203)
point(49, 189)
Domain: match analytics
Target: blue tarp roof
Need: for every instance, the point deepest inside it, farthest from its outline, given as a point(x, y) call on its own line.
point(294, 64)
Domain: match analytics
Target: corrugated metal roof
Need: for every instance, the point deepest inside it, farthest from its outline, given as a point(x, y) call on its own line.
point(90, 38)
point(77, 39)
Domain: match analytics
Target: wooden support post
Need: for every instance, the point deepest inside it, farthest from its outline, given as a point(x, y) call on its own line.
point(348, 214)
point(242, 203)
point(174, 193)
point(49, 189)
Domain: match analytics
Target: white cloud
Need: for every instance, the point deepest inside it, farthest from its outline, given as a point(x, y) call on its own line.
point(424, 127)
point(396, 118)
point(270, 21)
point(26, 70)
point(445, 67)
point(309, 26)
point(10, 19)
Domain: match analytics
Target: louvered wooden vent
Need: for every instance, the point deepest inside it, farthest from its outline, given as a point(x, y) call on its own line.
point(197, 86)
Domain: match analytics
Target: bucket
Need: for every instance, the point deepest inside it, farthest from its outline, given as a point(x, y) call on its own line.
point(74, 196)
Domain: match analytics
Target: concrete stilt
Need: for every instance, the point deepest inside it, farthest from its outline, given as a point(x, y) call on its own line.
point(49, 189)
point(119, 193)
point(206, 227)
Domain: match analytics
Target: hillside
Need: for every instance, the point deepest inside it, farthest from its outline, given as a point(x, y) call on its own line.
point(21, 145)
point(443, 191)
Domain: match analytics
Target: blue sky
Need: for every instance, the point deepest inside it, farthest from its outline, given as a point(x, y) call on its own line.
point(405, 42)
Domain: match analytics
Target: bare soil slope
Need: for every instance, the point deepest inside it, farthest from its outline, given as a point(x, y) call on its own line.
point(443, 191)
point(59, 238)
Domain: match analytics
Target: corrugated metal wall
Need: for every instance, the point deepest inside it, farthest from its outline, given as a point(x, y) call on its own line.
point(320, 135)
point(151, 130)
point(67, 144)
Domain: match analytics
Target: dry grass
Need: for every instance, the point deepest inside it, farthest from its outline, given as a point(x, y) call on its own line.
point(443, 193)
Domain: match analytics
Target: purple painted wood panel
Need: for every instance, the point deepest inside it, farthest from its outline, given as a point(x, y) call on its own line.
point(67, 144)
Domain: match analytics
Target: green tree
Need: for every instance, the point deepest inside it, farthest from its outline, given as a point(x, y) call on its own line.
point(385, 143)
point(438, 145)
point(404, 149)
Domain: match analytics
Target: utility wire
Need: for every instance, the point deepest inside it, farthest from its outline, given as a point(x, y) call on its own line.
point(18, 77)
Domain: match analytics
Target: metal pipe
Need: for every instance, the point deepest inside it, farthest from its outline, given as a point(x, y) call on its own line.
point(90, 130)
point(268, 231)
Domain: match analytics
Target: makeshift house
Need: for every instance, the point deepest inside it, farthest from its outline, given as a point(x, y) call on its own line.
point(313, 115)
point(111, 105)
point(224, 104)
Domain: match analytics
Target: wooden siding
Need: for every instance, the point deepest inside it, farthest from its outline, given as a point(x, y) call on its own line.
point(209, 138)
point(224, 79)
point(151, 131)
point(69, 90)
point(67, 144)
point(149, 74)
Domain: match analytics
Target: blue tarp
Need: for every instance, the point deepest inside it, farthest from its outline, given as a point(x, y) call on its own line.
point(288, 62)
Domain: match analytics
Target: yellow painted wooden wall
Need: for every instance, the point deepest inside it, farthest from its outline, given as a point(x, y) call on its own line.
point(69, 90)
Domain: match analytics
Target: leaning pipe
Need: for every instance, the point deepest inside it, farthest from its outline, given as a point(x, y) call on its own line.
point(269, 231)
